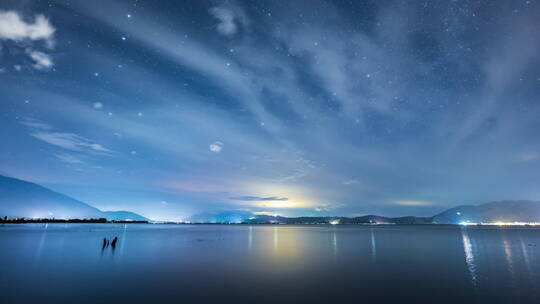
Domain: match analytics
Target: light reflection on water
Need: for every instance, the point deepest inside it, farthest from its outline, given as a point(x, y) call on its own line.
point(526, 258)
point(250, 238)
point(469, 256)
point(373, 245)
point(508, 257)
point(41, 242)
point(334, 243)
point(212, 263)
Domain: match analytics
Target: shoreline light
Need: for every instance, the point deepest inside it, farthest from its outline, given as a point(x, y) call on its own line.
point(500, 224)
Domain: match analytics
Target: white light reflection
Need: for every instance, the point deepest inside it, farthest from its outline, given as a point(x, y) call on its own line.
point(526, 257)
point(250, 238)
point(334, 243)
point(123, 240)
point(469, 256)
point(41, 242)
point(508, 256)
point(373, 246)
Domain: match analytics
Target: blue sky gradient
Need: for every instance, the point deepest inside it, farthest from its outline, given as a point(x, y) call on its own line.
point(171, 108)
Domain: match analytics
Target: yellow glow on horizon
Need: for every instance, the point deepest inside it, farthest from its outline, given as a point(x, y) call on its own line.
point(413, 203)
point(278, 204)
point(298, 196)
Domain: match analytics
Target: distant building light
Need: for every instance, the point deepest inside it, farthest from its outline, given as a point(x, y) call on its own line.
point(500, 224)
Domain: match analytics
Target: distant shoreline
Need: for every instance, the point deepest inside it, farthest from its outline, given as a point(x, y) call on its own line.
point(68, 221)
point(105, 221)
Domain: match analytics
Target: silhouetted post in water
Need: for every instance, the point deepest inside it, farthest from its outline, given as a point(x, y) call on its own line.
point(113, 244)
point(104, 243)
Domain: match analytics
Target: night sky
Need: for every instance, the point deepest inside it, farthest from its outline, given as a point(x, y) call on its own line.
point(170, 108)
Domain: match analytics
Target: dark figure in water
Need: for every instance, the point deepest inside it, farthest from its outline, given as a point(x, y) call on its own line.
point(105, 243)
point(113, 243)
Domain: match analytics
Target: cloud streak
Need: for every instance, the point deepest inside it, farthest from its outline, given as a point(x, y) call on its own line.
point(258, 198)
point(68, 141)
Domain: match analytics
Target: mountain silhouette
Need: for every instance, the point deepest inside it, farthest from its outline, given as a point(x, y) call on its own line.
point(20, 198)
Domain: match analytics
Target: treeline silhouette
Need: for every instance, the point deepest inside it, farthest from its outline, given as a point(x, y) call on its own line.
point(22, 220)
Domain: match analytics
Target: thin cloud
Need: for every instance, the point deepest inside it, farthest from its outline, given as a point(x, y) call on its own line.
point(34, 124)
point(351, 182)
point(68, 158)
point(258, 198)
point(529, 156)
point(230, 18)
point(413, 203)
point(42, 60)
point(68, 141)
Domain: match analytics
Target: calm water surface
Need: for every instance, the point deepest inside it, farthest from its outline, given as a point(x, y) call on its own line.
point(245, 264)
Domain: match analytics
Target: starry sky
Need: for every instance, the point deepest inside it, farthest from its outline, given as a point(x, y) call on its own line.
point(172, 108)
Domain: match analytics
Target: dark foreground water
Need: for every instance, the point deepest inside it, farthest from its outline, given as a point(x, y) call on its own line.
point(242, 264)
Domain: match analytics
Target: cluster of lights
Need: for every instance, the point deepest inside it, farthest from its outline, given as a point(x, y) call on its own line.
point(500, 224)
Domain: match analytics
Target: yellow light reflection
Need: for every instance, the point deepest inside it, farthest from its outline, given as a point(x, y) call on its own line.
point(277, 244)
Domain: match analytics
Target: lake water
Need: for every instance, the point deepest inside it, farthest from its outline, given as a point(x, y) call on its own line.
point(268, 263)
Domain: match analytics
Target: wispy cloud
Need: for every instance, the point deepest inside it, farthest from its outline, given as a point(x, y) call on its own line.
point(42, 60)
point(258, 198)
point(351, 182)
point(68, 141)
point(68, 158)
point(528, 156)
point(230, 17)
point(413, 203)
point(34, 124)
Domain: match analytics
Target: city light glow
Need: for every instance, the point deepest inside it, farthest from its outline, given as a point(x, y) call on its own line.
point(500, 224)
